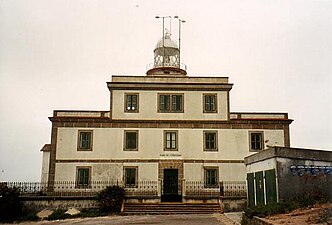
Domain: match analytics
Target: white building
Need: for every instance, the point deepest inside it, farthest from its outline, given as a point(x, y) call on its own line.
point(165, 127)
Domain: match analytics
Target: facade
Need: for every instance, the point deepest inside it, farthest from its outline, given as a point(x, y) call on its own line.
point(164, 127)
point(281, 174)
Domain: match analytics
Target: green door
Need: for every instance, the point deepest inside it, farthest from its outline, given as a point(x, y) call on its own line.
point(271, 190)
point(259, 188)
point(251, 189)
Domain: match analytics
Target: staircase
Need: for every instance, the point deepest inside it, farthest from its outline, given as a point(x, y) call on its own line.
point(170, 208)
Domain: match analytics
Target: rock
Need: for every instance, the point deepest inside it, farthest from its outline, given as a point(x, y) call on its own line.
point(73, 211)
point(44, 213)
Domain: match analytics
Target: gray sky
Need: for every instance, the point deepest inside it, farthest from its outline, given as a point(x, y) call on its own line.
point(59, 54)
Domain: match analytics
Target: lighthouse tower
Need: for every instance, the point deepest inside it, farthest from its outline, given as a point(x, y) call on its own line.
point(167, 58)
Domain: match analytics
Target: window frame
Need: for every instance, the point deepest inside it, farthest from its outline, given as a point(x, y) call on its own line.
point(215, 95)
point(79, 148)
point(79, 185)
point(125, 147)
point(216, 141)
point(176, 140)
point(261, 133)
point(207, 184)
point(136, 177)
point(125, 103)
point(170, 103)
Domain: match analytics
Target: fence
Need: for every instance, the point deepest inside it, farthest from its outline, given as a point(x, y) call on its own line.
point(225, 189)
point(141, 189)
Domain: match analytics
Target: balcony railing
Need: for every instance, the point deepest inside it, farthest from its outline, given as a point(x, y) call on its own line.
point(142, 189)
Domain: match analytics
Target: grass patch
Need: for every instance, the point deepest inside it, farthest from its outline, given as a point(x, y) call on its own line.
point(282, 207)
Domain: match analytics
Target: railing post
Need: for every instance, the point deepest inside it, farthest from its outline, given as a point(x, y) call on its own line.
point(159, 187)
point(222, 191)
point(184, 189)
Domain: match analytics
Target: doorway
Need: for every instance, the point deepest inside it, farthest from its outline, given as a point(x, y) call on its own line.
point(171, 186)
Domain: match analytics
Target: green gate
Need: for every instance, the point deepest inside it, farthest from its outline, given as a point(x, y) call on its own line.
point(251, 189)
point(259, 188)
point(271, 190)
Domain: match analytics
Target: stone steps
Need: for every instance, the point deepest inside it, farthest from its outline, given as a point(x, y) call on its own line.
point(170, 208)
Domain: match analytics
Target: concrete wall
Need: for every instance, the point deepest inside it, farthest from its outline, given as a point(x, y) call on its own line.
point(300, 173)
point(295, 185)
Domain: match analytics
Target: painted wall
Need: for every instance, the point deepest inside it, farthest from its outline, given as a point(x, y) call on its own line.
point(45, 167)
point(267, 164)
point(227, 171)
point(233, 144)
point(106, 171)
point(148, 100)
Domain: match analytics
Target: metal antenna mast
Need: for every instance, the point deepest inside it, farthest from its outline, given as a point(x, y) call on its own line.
point(163, 17)
point(180, 21)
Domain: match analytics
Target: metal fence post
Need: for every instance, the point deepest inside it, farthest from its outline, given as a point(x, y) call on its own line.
point(184, 189)
point(159, 187)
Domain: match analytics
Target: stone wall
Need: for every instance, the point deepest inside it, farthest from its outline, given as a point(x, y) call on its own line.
point(42, 202)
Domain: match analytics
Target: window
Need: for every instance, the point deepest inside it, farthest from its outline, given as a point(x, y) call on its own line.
point(210, 103)
point(170, 103)
point(131, 140)
point(130, 176)
point(256, 141)
point(211, 177)
point(131, 103)
point(170, 138)
point(210, 141)
point(84, 140)
point(83, 177)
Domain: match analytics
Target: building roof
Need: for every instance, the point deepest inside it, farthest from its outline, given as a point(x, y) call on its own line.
point(46, 148)
point(292, 153)
point(166, 42)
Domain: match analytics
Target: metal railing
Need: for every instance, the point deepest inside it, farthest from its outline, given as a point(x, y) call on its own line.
point(143, 188)
point(200, 189)
point(140, 189)
point(224, 189)
point(233, 189)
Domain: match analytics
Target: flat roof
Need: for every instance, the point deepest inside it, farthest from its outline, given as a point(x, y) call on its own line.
point(293, 153)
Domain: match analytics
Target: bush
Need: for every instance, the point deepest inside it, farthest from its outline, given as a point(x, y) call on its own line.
point(91, 213)
point(10, 204)
point(110, 199)
point(283, 207)
point(59, 214)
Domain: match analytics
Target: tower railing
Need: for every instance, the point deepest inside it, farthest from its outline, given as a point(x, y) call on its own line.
point(152, 66)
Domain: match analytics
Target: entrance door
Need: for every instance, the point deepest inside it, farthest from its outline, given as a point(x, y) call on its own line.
point(260, 196)
point(271, 190)
point(171, 186)
point(251, 189)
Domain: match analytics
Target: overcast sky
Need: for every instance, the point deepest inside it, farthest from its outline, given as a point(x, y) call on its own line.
point(59, 54)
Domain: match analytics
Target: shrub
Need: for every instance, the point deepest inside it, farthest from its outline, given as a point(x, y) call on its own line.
point(110, 199)
point(283, 207)
point(91, 213)
point(59, 214)
point(10, 204)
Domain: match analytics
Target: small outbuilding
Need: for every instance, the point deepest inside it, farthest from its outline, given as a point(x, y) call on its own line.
point(282, 173)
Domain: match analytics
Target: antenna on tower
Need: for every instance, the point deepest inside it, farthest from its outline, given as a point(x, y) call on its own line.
point(180, 21)
point(163, 17)
point(167, 52)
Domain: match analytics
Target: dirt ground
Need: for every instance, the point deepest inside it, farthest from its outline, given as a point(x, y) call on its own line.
point(318, 214)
